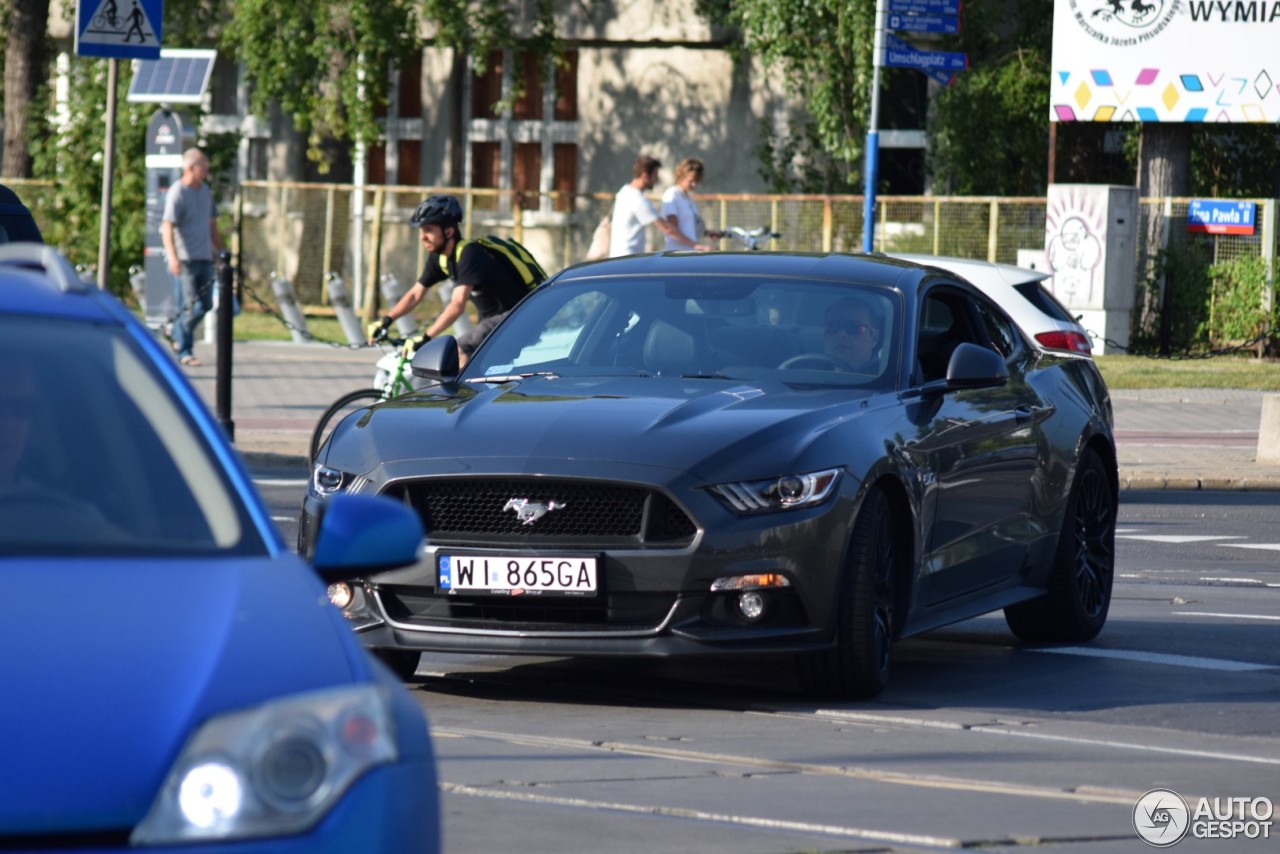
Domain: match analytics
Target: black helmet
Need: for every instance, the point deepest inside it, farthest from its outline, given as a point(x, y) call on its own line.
point(437, 210)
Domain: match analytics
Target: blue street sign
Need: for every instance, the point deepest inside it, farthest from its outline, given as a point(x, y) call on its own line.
point(924, 7)
point(122, 29)
point(925, 23)
point(902, 55)
point(1213, 216)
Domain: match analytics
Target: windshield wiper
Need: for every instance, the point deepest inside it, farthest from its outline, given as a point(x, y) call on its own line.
point(506, 378)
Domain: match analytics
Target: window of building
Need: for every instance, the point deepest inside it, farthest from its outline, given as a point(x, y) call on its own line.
point(530, 146)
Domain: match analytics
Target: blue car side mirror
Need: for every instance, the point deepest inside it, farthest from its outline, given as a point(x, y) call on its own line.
point(362, 534)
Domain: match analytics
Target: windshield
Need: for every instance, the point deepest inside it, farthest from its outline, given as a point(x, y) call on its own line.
point(97, 455)
point(802, 332)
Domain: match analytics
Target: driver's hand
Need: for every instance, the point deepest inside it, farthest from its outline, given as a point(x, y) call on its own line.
point(412, 343)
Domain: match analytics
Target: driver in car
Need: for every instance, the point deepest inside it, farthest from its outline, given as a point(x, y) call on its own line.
point(851, 335)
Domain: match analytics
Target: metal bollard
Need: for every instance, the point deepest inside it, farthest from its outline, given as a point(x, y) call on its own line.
point(138, 284)
point(289, 308)
point(389, 284)
point(224, 280)
point(341, 301)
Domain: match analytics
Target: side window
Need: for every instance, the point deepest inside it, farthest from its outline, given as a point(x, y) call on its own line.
point(948, 318)
point(1001, 332)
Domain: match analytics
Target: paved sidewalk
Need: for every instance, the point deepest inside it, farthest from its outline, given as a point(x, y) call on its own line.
point(1166, 438)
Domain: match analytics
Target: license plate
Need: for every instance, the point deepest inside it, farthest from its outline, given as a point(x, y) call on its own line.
point(499, 575)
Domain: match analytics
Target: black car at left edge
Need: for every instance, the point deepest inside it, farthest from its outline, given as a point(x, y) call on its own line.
point(737, 454)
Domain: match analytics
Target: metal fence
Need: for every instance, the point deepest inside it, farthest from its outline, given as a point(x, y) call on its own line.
point(304, 232)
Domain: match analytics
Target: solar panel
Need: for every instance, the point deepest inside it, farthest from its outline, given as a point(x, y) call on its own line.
point(179, 76)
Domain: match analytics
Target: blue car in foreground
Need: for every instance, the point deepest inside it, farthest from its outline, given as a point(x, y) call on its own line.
point(174, 676)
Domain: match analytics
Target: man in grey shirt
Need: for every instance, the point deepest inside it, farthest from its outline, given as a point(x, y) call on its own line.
point(189, 229)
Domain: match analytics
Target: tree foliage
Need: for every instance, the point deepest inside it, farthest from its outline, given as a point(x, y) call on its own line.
point(822, 52)
point(327, 63)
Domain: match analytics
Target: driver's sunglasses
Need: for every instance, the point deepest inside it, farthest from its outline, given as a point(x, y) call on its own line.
point(848, 327)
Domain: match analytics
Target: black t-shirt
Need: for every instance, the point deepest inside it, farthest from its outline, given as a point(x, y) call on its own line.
point(495, 285)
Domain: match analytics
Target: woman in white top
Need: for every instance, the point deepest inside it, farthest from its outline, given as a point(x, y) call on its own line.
point(679, 209)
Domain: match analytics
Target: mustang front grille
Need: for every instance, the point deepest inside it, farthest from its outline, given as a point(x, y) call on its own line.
point(545, 511)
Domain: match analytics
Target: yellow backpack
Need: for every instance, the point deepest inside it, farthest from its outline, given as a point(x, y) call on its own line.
point(520, 259)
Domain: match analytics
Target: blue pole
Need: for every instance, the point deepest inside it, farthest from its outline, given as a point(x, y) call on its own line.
point(869, 200)
point(872, 157)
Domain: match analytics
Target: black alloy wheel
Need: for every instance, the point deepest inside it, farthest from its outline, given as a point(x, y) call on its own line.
point(1078, 596)
point(857, 666)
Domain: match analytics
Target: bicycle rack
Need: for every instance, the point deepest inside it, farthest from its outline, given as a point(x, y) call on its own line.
point(340, 299)
point(293, 316)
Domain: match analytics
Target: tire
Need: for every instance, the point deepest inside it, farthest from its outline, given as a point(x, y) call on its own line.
point(857, 666)
point(402, 662)
point(1078, 595)
point(341, 408)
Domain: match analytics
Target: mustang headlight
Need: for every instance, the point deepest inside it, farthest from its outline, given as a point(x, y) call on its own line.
point(273, 770)
point(326, 481)
point(780, 493)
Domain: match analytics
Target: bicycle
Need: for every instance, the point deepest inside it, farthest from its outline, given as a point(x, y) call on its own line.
point(391, 378)
point(753, 238)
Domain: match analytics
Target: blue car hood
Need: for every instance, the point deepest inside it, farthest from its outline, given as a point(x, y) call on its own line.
point(109, 665)
point(692, 425)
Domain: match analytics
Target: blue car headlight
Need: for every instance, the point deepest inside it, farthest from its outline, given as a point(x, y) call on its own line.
point(273, 770)
point(787, 492)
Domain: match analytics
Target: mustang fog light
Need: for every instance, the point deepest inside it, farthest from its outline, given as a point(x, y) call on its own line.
point(751, 605)
point(340, 594)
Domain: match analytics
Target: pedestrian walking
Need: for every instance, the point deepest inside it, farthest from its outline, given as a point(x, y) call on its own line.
point(633, 213)
point(189, 231)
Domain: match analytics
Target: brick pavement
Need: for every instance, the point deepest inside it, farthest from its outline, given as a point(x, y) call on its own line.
point(1165, 438)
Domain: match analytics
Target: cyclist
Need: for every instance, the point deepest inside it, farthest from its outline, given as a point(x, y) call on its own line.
point(480, 273)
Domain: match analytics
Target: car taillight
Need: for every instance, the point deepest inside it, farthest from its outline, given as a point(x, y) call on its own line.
point(1072, 342)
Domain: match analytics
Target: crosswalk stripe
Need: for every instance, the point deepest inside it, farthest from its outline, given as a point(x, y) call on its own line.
point(1275, 547)
point(1176, 538)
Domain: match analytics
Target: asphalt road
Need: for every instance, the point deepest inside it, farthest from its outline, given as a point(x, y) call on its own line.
point(978, 742)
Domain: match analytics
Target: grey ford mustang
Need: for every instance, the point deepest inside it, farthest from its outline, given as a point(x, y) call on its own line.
point(736, 453)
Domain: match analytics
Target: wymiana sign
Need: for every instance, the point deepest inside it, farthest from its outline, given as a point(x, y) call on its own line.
point(1165, 61)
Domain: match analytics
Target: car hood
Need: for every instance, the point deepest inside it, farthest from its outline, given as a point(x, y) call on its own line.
point(699, 426)
point(111, 664)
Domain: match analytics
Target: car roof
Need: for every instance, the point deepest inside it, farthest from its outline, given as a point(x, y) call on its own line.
point(835, 266)
point(977, 271)
point(36, 279)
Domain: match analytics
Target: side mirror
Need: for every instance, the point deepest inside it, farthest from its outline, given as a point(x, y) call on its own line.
point(363, 534)
point(972, 366)
point(437, 360)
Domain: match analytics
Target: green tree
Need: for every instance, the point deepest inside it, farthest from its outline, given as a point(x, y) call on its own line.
point(327, 62)
point(69, 152)
point(821, 50)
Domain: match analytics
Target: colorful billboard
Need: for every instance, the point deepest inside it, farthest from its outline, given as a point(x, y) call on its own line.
point(1165, 61)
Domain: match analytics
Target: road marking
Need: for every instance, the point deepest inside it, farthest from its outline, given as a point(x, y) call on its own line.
point(284, 518)
point(1159, 658)
point(1175, 538)
point(1226, 616)
point(927, 781)
point(1275, 547)
point(718, 818)
point(281, 481)
point(997, 729)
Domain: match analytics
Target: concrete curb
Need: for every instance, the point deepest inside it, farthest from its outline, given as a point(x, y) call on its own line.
point(1130, 481)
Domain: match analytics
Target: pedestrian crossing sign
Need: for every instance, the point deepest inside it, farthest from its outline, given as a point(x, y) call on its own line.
point(124, 29)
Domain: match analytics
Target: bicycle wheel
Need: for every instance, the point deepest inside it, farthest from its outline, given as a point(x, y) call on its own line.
point(340, 409)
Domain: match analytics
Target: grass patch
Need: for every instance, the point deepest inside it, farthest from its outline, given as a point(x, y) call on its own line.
point(260, 326)
point(1130, 372)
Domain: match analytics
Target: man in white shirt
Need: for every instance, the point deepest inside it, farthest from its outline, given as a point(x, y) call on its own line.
point(633, 213)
